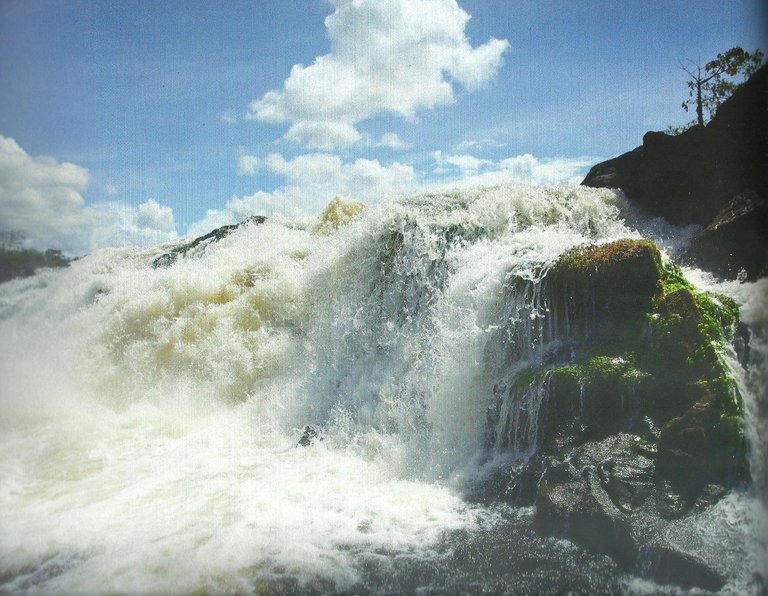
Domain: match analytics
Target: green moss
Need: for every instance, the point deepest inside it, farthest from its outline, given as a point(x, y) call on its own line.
point(648, 343)
point(724, 388)
point(601, 293)
point(567, 374)
point(602, 369)
point(689, 329)
point(586, 259)
point(527, 377)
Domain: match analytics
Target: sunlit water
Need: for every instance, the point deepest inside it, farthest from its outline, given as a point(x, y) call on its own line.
point(150, 418)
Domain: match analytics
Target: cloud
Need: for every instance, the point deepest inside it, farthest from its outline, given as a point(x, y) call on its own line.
point(119, 224)
point(247, 165)
point(312, 180)
point(467, 170)
point(228, 117)
point(387, 56)
point(479, 144)
point(41, 198)
point(154, 216)
point(391, 141)
point(110, 189)
point(323, 135)
point(466, 163)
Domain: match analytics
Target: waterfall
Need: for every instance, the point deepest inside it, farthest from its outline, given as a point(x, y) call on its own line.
point(150, 415)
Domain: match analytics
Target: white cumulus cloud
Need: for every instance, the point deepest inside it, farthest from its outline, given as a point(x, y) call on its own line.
point(391, 141)
point(41, 200)
point(393, 56)
point(247, 165)
point(311, 181)
point(468, 170)
point(154, 216)
point(466, 163)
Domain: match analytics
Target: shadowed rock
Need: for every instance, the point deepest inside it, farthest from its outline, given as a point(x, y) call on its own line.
point(702, 176)
point(169, 258)
point(629, 408)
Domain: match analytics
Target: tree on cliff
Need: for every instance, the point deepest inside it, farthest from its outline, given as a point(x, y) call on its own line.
point(711, 84)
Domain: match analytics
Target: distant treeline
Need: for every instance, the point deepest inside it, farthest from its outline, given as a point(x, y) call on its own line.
point(24, 262)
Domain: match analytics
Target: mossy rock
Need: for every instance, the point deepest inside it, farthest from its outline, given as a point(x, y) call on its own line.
point(646, 354)
point(688, 330)
point(706, 443)
point(593, 400)
point(639, 406)
point(602, 293)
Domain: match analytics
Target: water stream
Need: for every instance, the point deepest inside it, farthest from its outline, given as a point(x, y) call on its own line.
point(149, 417)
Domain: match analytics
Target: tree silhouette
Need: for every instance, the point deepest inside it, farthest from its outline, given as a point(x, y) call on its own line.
point(712, 84)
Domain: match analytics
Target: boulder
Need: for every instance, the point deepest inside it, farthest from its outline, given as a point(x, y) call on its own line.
point(169, 258)
point(735, 244)
point(605, 496)
point(628, 411)
point(309, 436)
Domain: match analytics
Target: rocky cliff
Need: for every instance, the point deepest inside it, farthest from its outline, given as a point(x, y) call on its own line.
point(715, 176)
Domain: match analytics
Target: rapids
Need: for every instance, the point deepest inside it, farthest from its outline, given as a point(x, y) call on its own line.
point(149, 417)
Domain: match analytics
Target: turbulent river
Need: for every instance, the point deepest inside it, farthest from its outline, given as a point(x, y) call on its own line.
point(150, 416)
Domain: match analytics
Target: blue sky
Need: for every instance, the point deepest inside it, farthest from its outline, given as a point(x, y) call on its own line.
point(141, 121)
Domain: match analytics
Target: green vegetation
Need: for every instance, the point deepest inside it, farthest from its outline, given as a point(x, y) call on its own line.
point(710, 85)
point(25, 262)
point(647, 345)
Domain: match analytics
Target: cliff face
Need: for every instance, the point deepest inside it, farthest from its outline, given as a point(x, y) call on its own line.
point(696, 176)
point(690, 177)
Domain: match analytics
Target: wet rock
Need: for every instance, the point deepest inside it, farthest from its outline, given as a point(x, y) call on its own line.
point(670, 565)
point(702, 446)
point(735, 244)
point(578, 507)
point(713, 175)
point(169, 258)
point(633, 415)
point(604, 290)
point(603, 495)
point(310, 435)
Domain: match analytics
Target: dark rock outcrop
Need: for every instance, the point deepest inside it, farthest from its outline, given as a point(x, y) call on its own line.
point(735, 244)
point(605, 495)
point(309, 436)
point(169, 258)
point(696, 177)
point(629, 408)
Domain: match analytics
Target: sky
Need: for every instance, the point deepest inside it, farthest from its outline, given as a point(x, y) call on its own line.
point(141, 122)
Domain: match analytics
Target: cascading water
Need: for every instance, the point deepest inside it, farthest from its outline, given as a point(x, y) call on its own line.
point(150, 416)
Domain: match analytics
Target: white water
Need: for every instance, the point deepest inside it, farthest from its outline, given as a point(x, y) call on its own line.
point(149, 417)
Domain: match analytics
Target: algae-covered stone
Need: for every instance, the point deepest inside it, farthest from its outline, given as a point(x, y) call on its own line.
point(705, 444)
point(646, 344)
point(601, 293)
point(635, 351)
